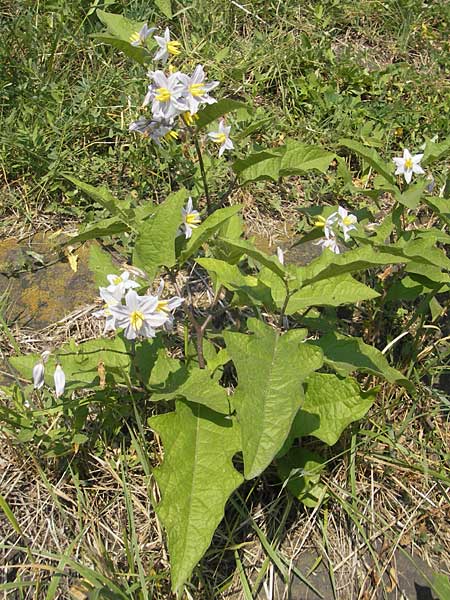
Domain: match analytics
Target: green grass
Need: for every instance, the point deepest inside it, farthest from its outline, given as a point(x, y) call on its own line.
point(315, 71)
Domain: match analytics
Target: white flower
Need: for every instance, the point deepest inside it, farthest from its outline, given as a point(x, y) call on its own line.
point(222, 137)
point(191, 219)
point(38, 375)
point(330, 243)
point(327, 224)
point(195, 90)
point(139, 37)
point(167, 306)
point(280, 255)
point(118, 284)
point(166, 47)
point(155, 130)
point(60, 381)
point(346, 221)
point(166, 96)
point(139, 316)
point(110, 299)
point(408, 164)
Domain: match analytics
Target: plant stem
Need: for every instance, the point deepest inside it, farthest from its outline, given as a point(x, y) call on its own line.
point(203, 173)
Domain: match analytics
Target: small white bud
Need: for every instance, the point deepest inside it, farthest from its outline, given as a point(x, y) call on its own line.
point(280, 255)
point(38, 375)
point(60, 381)
point(45, 356)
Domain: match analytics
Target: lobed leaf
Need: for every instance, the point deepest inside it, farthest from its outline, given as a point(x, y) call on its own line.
point(211, 112)
point(195, 480)
point(330, 405)
point(270, 370)
point(155, 244)
point(347, 354)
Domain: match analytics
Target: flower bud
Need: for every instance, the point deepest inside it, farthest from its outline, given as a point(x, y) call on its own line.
point(38, 375)
point(60, 381)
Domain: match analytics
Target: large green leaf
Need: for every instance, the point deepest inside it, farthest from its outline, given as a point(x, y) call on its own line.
point(196, 385)
point(80, 362)
point(372, 158)
point(165, 6)
point(155, 244)
point(248, 288)
point(294, 158)
point(329, 264)
point(195, 480)
point(101, 264)
point(119, 26)
point(99, 229)
point(100, 194)
point(207, 229)
point(334, 291)
point(330, 405)
point(213, 111)
point(135, 53)
point(270, 370)
point(244, 247)
point(347, 354)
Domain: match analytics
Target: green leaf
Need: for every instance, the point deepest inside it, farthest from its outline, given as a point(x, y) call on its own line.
point(270, 370)
point(292, 159)
point(301, 469)
point(329, 264)
point(101, 264)
point(248, 288)
point(334, 291)
point(347, 354)
point(370, 155)
point(195, 385)
point(118, 25)
point(165, 6)
point(330, 405)
point(213, 111)
point(441, 586)
point(207, 229)
point(195, 481)
point(138, 54)
point(155, 244)
point(412, 196)
point(100, 229)
point(271, 262)
point(100, 194)
point(435, 151)
point(80, 362)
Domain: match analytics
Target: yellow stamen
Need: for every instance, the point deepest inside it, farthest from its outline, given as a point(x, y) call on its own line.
point(171, 135)
point(220, 138)
point(408, 164)
point(117, 280)
point(347, 220)
point(162, 306)
point(320, 221)
point(134, 37)
point(197, 89)
point(163, 94)
point(136, 320)
point(193, 219)
point(173, 48)
point(189, 118)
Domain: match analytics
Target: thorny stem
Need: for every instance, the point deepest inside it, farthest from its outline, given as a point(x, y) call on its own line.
point(203, 173)
point(199, 329)
point(285, 303)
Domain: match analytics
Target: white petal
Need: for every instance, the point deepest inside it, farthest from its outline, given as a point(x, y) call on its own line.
point(60, 381)
point(38, 375)
point(408, 175)
point(132, 301)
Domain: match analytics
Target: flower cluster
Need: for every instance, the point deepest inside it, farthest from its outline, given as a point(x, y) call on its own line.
point(174, 96)
point(39, 373)
point(138, 316)
point(341, 219)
